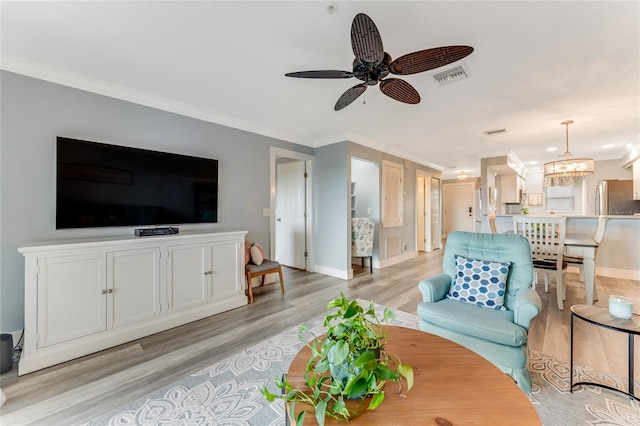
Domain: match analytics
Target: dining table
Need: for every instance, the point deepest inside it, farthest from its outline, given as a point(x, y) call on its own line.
point(585, 246)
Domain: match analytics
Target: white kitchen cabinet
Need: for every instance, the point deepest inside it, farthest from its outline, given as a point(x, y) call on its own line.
point(636, 179)
point(512, 188)
point(84, 296)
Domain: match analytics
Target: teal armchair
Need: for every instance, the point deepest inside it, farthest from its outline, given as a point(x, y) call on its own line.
point(498, 335)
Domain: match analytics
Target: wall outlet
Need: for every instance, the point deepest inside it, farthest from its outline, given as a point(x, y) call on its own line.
point(368, 210)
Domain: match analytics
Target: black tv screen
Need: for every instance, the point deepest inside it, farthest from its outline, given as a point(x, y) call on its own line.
point(101, 185)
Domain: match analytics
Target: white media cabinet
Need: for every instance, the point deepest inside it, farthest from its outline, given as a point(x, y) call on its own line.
point(84, 296)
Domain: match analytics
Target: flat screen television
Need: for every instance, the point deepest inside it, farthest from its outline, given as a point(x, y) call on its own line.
point(100, 185)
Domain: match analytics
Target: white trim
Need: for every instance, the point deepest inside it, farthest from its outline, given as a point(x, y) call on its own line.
point(370, 143)
point(427, 210)
point(396, 259)
point(66, 78)
point(275, 153)
point(332, 272)
point(625, 274)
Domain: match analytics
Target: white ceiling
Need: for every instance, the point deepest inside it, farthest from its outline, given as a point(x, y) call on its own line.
point(535, 65)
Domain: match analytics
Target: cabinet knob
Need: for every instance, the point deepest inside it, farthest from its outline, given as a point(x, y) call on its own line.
point(110, 290)
point(103, 291)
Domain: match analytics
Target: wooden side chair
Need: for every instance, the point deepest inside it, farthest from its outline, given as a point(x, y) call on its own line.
point(266, 267)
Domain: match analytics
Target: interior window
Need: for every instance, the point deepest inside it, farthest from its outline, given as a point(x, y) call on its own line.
point(559, 198)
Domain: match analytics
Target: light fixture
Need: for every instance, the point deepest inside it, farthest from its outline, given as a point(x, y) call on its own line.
point(569, 167)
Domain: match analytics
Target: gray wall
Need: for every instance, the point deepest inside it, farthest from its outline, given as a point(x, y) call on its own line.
point(34, 112)
point(332, 187)
point(407, 232)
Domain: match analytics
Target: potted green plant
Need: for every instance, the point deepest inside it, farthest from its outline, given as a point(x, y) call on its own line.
point(349, 362)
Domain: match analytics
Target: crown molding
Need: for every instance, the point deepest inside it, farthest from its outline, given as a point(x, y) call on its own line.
point(78, 81)
point(370, 143)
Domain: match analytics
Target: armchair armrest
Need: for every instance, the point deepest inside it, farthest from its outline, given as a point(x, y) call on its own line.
point(435, 288)
point(527, 305)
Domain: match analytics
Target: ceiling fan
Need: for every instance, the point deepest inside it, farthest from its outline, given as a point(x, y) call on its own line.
point(372, 64)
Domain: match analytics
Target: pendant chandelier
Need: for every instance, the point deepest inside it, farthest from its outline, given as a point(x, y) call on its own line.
point(569, 169)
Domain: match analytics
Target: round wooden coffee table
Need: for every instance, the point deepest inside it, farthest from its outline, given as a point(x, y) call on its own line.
point(453, 385)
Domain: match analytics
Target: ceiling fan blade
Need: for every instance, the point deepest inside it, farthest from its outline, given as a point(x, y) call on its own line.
point(320, 74)
point(366, 40)
point(350, 95)
point(428, 59)
point(400, 90)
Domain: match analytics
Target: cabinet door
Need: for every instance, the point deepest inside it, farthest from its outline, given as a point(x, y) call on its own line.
point(133, 286)
point(227, 277)
point(70, 299)
point(187, 276)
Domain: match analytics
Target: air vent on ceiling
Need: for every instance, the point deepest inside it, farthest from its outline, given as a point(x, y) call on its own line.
point(452, 75)
point(495, 132)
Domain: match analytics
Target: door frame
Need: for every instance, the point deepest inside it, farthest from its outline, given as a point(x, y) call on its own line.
point(427, 211)
point(274, 154)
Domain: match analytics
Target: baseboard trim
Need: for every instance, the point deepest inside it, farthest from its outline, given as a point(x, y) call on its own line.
point(397, 259)
point(332, 272)
point(625, 274)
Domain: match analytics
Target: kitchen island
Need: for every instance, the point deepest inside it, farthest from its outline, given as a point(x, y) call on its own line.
point(619, 251)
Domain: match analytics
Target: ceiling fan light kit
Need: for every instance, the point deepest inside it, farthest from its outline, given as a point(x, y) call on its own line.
point(372, 65)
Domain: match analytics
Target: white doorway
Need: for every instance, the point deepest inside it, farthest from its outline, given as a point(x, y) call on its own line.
point(291, 201)
point(458, 207)
point(423, 212)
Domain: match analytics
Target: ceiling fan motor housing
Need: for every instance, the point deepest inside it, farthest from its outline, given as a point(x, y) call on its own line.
point(371, 73)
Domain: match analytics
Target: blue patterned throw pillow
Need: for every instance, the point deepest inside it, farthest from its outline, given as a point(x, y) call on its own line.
point(480, 282)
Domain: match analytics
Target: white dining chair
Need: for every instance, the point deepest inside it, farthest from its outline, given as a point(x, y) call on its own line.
point(578, 261)
point(546, 236)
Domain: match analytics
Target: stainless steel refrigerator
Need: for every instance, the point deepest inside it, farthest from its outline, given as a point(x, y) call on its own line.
point(615, 197)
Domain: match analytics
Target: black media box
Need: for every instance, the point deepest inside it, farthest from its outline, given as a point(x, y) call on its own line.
point(148, 232)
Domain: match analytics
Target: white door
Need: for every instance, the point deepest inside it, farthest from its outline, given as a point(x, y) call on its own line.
point(290, 214)
point(458, 207)
point(434, 212)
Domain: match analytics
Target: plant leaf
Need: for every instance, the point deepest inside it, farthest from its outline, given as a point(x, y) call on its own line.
point(367, 361)
point(407, 372)
point(300, 418)
point(321, 408)
point(376, 400)
point(340, 352)
point(322, 366)
point(356, 387)
point(268, 395)
point(386, 373)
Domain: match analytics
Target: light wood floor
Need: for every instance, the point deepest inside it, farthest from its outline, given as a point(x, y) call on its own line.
point(81, 389)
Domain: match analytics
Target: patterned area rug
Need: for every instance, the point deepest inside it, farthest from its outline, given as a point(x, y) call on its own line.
point(228, 393)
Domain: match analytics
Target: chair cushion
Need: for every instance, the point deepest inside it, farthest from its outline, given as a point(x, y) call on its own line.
point(547, 264)
point(573, 259)
point(480, 282)
point(472, 320)
point(266, 265)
